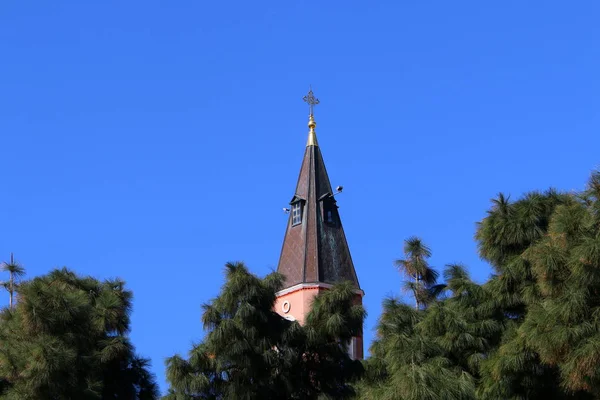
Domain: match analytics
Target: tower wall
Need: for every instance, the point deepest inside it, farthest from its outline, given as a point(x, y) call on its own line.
point(295, 303)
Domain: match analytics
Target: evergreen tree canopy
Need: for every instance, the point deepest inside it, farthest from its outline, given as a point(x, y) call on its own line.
point(433, 352)
point(251, 352)
point(562, 324)
point(530, 332)
point(66, 338)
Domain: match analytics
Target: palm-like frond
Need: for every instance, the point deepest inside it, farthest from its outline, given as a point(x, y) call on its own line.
point(415, 267)
point(13, 268)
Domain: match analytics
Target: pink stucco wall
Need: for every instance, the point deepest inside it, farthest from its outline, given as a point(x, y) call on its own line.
point(300, 301)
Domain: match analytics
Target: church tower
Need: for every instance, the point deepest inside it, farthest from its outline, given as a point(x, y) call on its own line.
point(315, 253)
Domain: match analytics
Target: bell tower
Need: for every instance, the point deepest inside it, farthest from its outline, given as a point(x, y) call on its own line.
point(315, 254)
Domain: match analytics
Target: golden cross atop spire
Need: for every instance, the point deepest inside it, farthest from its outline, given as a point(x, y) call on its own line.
point(311, 100)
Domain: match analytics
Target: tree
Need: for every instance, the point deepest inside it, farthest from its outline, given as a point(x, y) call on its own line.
point(426, 352)
point(251, 352)
point(15, 271)
point(529, 332)
point(563, 326)
point(528, 243)
point(415, 266)
point(408, 364)
point(463, 324)
point(66, 338)
point(334, 319)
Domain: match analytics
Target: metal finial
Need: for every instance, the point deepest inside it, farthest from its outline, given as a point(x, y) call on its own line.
point(311, 100)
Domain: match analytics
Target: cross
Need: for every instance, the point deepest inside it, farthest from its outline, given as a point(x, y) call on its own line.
point(311, 100)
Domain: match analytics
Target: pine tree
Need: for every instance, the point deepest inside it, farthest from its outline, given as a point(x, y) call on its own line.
point(408, 364)
point(66, 338)
point(508, 238)
point(563, 327)
point(420, 352)
point(529, 332)
point(251, 352)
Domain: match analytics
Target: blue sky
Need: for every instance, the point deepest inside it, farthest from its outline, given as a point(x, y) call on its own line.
point(156, 140)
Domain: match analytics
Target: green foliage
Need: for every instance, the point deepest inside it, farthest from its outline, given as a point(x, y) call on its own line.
point(67, 339)
point(15, 273)
point(423, 278)
point(434, 352)
point(530, 332)
point(542, 293)
point(563, 326)
point(251, 352)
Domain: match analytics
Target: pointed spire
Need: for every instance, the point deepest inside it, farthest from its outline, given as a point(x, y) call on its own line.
point(314, 248)
point(312, 102)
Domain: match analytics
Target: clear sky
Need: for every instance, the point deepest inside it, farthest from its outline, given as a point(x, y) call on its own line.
point(156, 140)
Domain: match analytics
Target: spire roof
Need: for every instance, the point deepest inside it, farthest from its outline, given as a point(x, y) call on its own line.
point(314, 247)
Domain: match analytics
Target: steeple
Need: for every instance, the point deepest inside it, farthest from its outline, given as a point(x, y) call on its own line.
point(315, 253)
point(314, 247)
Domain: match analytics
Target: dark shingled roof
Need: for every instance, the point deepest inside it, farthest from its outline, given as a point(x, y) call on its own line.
point(316, 250)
